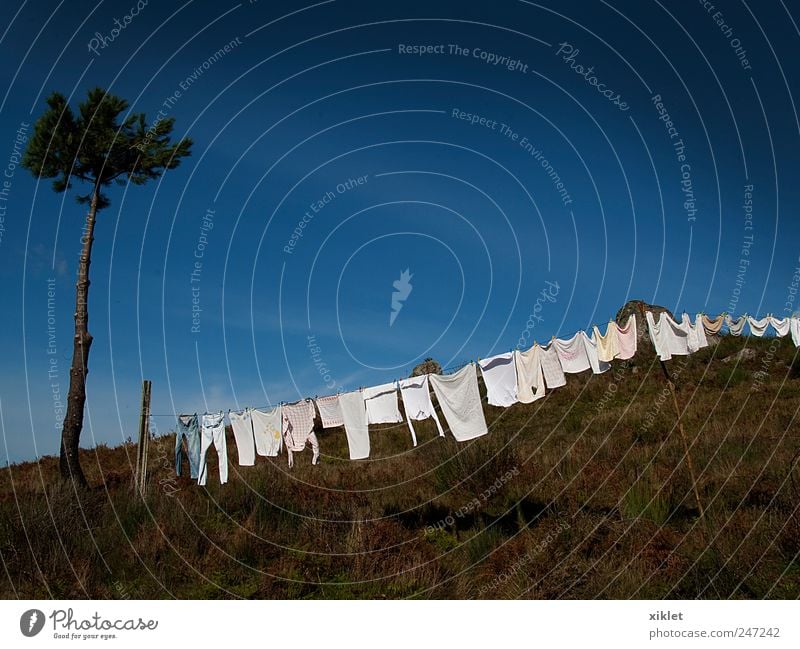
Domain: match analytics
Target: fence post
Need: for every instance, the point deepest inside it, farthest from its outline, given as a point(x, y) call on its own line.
point(140, 478)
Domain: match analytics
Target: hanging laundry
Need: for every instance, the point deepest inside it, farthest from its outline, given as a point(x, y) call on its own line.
point(668, 337)
point(354, 416)
point(189, 428)
point(460, 401)
point(212, 431)
point(713, 327)
point(627, 339)
point(695, 333)
point(298, 429)
point(700, 331)
point(590, 342)
point(735, 327)
point(382, 407)
point(530, 378)
point(267, 431)
point(329, 411)
point(417, 403)
point(500, 377)
point(551, 367)
point(608, 345)
point(794, 329)
point(781, 326)
point(572, 354)
point(758, 327)
point(243, 435)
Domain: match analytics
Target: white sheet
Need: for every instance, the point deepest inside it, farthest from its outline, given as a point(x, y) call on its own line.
point(669, 338)
point(354, 415)
point(758, 327)
point(382, 407)
point(572, 354)
point(460, 401)
point(735, 327)
point(500, 378)
point(781, 326)
point(267, 431)
point(530, 378)
point(417, 403)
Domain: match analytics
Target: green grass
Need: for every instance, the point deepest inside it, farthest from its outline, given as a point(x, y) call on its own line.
point(592, 498)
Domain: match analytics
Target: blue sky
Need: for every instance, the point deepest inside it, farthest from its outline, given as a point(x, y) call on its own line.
point(585, 187)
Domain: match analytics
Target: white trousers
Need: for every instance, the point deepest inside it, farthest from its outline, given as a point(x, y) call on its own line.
point(213, 432)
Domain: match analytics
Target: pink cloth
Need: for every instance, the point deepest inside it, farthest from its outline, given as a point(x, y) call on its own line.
point(298, 429)
point(627, 339)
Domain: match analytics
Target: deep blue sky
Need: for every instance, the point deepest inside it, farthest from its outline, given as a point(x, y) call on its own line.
point(306, 100)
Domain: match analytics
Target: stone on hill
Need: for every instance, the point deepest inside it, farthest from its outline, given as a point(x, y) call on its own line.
point(428, 366)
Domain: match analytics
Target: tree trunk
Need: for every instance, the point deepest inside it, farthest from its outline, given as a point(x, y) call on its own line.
point(73, 420)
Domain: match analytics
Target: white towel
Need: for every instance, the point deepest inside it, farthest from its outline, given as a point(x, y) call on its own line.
point(781, 326)
point(627, 339)
point(598, 366)
point(530, 378)
point(417, 403)
point(572, 354)
point(382, 405)
point(460, 401)
point(735, 327)
point(243, 435)
point(267, 431)
point(500, 378)
point(758, 327)
point(329, 411)
point(608, 345)
point(551, 368)
point(354, 415)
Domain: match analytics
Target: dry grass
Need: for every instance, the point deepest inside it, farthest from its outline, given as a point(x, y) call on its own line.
point(599, 504)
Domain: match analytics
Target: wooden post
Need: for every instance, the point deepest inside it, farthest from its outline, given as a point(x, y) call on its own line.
point(685, 439)
point(140, 478)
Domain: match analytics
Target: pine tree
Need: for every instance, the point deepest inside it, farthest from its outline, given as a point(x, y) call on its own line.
point(99, 146)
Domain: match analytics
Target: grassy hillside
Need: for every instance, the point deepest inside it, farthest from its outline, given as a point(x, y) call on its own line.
point(583, 494)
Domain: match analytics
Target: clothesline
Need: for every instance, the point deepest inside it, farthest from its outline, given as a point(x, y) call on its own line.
point(513, 377)
point(446, 370)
